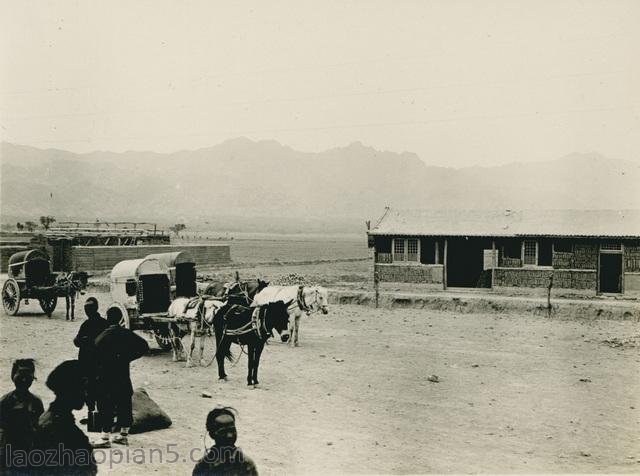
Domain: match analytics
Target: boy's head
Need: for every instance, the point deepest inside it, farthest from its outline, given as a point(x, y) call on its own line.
point(114, 316)
point(91, 306)
point(23, 373)
point(221, 425)
point(68, 383)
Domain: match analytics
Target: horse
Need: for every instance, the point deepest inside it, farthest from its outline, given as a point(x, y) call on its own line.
point(200, 311)
point(303, 299)
point(70, 285)
point(251, 327)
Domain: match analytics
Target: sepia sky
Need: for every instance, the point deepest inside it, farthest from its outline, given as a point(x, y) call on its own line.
point(458, 82)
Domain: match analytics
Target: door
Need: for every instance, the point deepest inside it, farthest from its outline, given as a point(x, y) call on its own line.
point(610, 273)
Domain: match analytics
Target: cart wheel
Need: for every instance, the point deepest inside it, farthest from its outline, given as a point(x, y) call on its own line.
point(11, 297)
point(210, 347)
point(48, 304)
point(162, 338)
point(125, 321)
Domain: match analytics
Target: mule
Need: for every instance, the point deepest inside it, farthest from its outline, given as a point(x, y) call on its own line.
point(70, 285)
point(218, 297)
point(251, 327)
point(303, 299)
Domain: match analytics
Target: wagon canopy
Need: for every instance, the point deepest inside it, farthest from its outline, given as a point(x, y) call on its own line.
point(182, 270)
point(24, 263)
point(134, 268)
point(171, 260)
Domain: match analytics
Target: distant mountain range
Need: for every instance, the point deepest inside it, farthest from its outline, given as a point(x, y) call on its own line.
point(242, 184)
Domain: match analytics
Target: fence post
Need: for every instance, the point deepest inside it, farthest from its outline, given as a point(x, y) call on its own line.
point(376, 287)
point(549, 294)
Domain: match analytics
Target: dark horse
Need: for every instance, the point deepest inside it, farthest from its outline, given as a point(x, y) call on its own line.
point(236, 292)
point(251, 327)
point(69, 285)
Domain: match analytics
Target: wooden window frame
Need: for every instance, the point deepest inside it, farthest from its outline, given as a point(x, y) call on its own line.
point(528, 265)
point(405, 247)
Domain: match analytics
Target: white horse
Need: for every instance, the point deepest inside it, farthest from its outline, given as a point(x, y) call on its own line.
point(199, 314)
point(304, 299)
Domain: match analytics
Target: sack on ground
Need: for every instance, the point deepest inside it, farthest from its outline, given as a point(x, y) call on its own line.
point(147, 415)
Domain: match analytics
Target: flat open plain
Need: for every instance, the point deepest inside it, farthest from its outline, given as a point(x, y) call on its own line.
point(517, 393)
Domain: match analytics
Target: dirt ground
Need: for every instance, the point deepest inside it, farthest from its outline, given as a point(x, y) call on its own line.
point(516, 394)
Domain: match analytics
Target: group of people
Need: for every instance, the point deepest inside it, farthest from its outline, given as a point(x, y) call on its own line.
point(33, 440)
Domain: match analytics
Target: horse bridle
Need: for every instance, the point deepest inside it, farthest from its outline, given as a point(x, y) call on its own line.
point(302, 303)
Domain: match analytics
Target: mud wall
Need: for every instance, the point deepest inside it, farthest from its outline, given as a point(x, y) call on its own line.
point(103, 258)
point(539, 278)
point(398, 273)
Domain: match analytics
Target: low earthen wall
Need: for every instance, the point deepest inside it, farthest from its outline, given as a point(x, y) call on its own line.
point(103, 258)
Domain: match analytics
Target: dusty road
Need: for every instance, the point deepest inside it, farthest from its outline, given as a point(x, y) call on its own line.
point(516, 394)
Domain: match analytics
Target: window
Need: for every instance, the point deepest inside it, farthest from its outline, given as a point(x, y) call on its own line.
point(412, 249)
point(611, 247)
point(406, 250)
point(529, 253)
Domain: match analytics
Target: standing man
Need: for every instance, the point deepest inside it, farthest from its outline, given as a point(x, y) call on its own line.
point(116, 348)
point(19, 413)
point(85, 341)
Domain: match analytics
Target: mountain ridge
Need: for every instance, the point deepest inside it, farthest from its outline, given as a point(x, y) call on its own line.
point(267, 179)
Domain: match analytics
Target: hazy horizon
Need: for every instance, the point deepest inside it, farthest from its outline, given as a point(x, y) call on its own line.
point(458, 83)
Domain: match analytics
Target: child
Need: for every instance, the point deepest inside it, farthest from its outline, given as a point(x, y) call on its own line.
point(19, 414)
point(224, 457)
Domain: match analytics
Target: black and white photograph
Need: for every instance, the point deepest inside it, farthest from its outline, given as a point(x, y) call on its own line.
point(319, 237)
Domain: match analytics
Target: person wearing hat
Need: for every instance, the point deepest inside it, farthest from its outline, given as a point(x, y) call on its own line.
point(224, 457)
point(19, 413)
point(116, 348)
point(67, 448)
point(85, 341)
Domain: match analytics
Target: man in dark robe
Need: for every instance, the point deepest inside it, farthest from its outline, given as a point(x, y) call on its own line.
point(85, 341)
point(19, 413)
point(224, 457)
point(116, 348)
point(68, 450)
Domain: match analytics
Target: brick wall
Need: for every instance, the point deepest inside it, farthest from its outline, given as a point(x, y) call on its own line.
point(6, 252)
point(585, 256)
point(539, 278)
point(397, 273)
point(103, 258)
point(562, 260)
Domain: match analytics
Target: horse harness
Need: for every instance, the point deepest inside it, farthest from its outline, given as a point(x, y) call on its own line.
point(256, 324)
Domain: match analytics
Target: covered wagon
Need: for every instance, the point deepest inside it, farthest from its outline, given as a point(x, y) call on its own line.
point(182, 272)
point(29, 277)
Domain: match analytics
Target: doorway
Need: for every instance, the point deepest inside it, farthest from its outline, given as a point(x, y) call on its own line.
point(465, 262)
point(610, 272)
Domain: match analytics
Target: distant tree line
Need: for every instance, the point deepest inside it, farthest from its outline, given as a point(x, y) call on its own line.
point(45, 222)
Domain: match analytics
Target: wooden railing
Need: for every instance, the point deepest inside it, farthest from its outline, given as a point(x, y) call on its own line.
point(397, 258)
point(384, 258)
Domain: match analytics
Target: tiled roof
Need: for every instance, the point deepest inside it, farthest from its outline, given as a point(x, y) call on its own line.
point(571, 223)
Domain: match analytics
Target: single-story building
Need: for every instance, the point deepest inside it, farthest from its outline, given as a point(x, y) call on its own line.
point(594, 251)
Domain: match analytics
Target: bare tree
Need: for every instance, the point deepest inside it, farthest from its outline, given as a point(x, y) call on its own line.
point(177, 228)
point(47, 221)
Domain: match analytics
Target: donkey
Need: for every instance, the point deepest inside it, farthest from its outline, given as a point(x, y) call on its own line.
point(70, 285)
point(251, 327)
